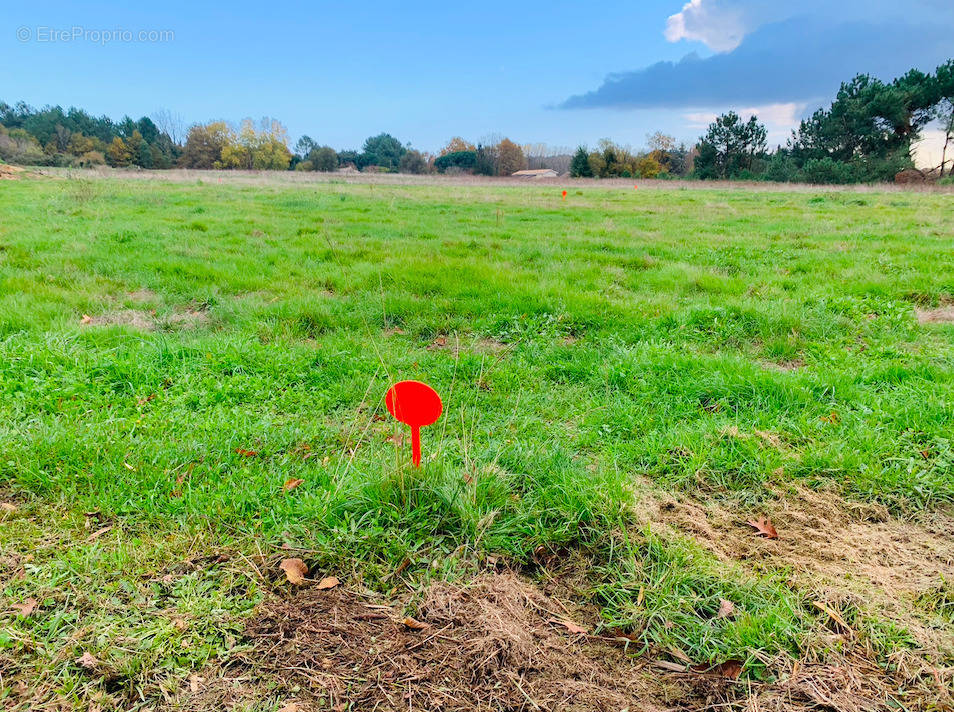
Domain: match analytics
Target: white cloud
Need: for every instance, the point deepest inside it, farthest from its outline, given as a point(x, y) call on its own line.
point(718, 27)
point(929, 150)
point(779, 119)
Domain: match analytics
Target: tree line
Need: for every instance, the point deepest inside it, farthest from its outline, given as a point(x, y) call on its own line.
point(866, 135)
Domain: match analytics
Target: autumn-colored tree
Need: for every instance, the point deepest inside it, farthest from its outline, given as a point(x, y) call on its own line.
point(80, 144)
point(456, 145)
point(510, 158)
point(659, 141)
point(118, 153)
point(204, 145)
point(648, 167)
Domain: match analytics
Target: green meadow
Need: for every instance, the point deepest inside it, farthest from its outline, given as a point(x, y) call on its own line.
point(172, 354)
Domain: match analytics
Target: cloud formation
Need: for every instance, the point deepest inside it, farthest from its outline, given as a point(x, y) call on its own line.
point(719, 28)
point(795, 60)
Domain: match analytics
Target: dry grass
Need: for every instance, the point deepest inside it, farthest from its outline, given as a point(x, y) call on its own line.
point(290, 178)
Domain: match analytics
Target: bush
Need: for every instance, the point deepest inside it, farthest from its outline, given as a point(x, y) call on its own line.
point(826, 170)
point(462, 160)
point(412, 162)
point(324, 159)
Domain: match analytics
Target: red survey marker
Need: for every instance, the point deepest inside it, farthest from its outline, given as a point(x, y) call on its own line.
point(415, 404)
point(564, 195)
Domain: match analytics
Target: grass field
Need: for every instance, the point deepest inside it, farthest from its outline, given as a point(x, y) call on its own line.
point(628, 378)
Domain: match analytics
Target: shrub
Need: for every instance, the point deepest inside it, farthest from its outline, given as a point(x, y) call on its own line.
point(462, 160)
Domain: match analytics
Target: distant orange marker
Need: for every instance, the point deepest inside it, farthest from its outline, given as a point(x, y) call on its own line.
point(564, 195)
point(635, 187)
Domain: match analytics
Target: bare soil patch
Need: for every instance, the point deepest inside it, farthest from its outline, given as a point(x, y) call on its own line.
point(941, 315)
point(8, 172)
point(840, 554)
point(494, 645)
point(147, 320)
point(784, 366)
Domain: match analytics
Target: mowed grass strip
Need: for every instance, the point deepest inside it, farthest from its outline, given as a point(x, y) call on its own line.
point(171, 355)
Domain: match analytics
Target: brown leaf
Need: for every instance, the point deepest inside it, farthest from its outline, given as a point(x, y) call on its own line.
point(680, 655)
point(730, 669)
point(146, 399)
point(327, 582)
point(8, 507)
point(87, 319)
point(295, 570)
point(290, 707)
point(246, 453)
point(292, 483)
point(414, 624)
point(438, 343)
point(926, 454)
point(763, 527)
point(87, 660)
point(569, 625)
point(726, 609)
point(830, 418)
point(26, 608)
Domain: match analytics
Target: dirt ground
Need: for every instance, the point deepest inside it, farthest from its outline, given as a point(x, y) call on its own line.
point(847, 559)
point(501, 644)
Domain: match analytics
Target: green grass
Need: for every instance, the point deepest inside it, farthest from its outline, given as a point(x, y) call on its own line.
point(617, 338)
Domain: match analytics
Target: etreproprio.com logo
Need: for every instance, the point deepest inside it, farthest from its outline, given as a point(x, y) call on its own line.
point(77, 33)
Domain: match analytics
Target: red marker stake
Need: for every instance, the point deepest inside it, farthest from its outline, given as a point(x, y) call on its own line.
point(564, 195)
point(415, 404)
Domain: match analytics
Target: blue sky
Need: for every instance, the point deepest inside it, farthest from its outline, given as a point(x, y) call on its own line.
point(557, 72)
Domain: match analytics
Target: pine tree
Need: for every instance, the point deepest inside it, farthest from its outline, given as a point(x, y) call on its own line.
point(145, 156)
point(580, 165)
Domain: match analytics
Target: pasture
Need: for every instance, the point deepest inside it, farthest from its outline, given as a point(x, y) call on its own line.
point(191, 391)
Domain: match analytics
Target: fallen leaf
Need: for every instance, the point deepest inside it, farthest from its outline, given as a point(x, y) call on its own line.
point(926, 454)
point(726, 609)
point(438, 343)
point(730, 669)
point(327, 582)
point(292, 483)
point(830, 418)
point(414, 624)
point(194, 682)
point(680, 655)
point(87, 660)
point(8, 507)
point(620, 634)
point(569, 625)
point(87, 319)
point(295, 570)
point(26, 608)
point(146, 399)
point(763, 527)
point(290, 707)
point(246, 453)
